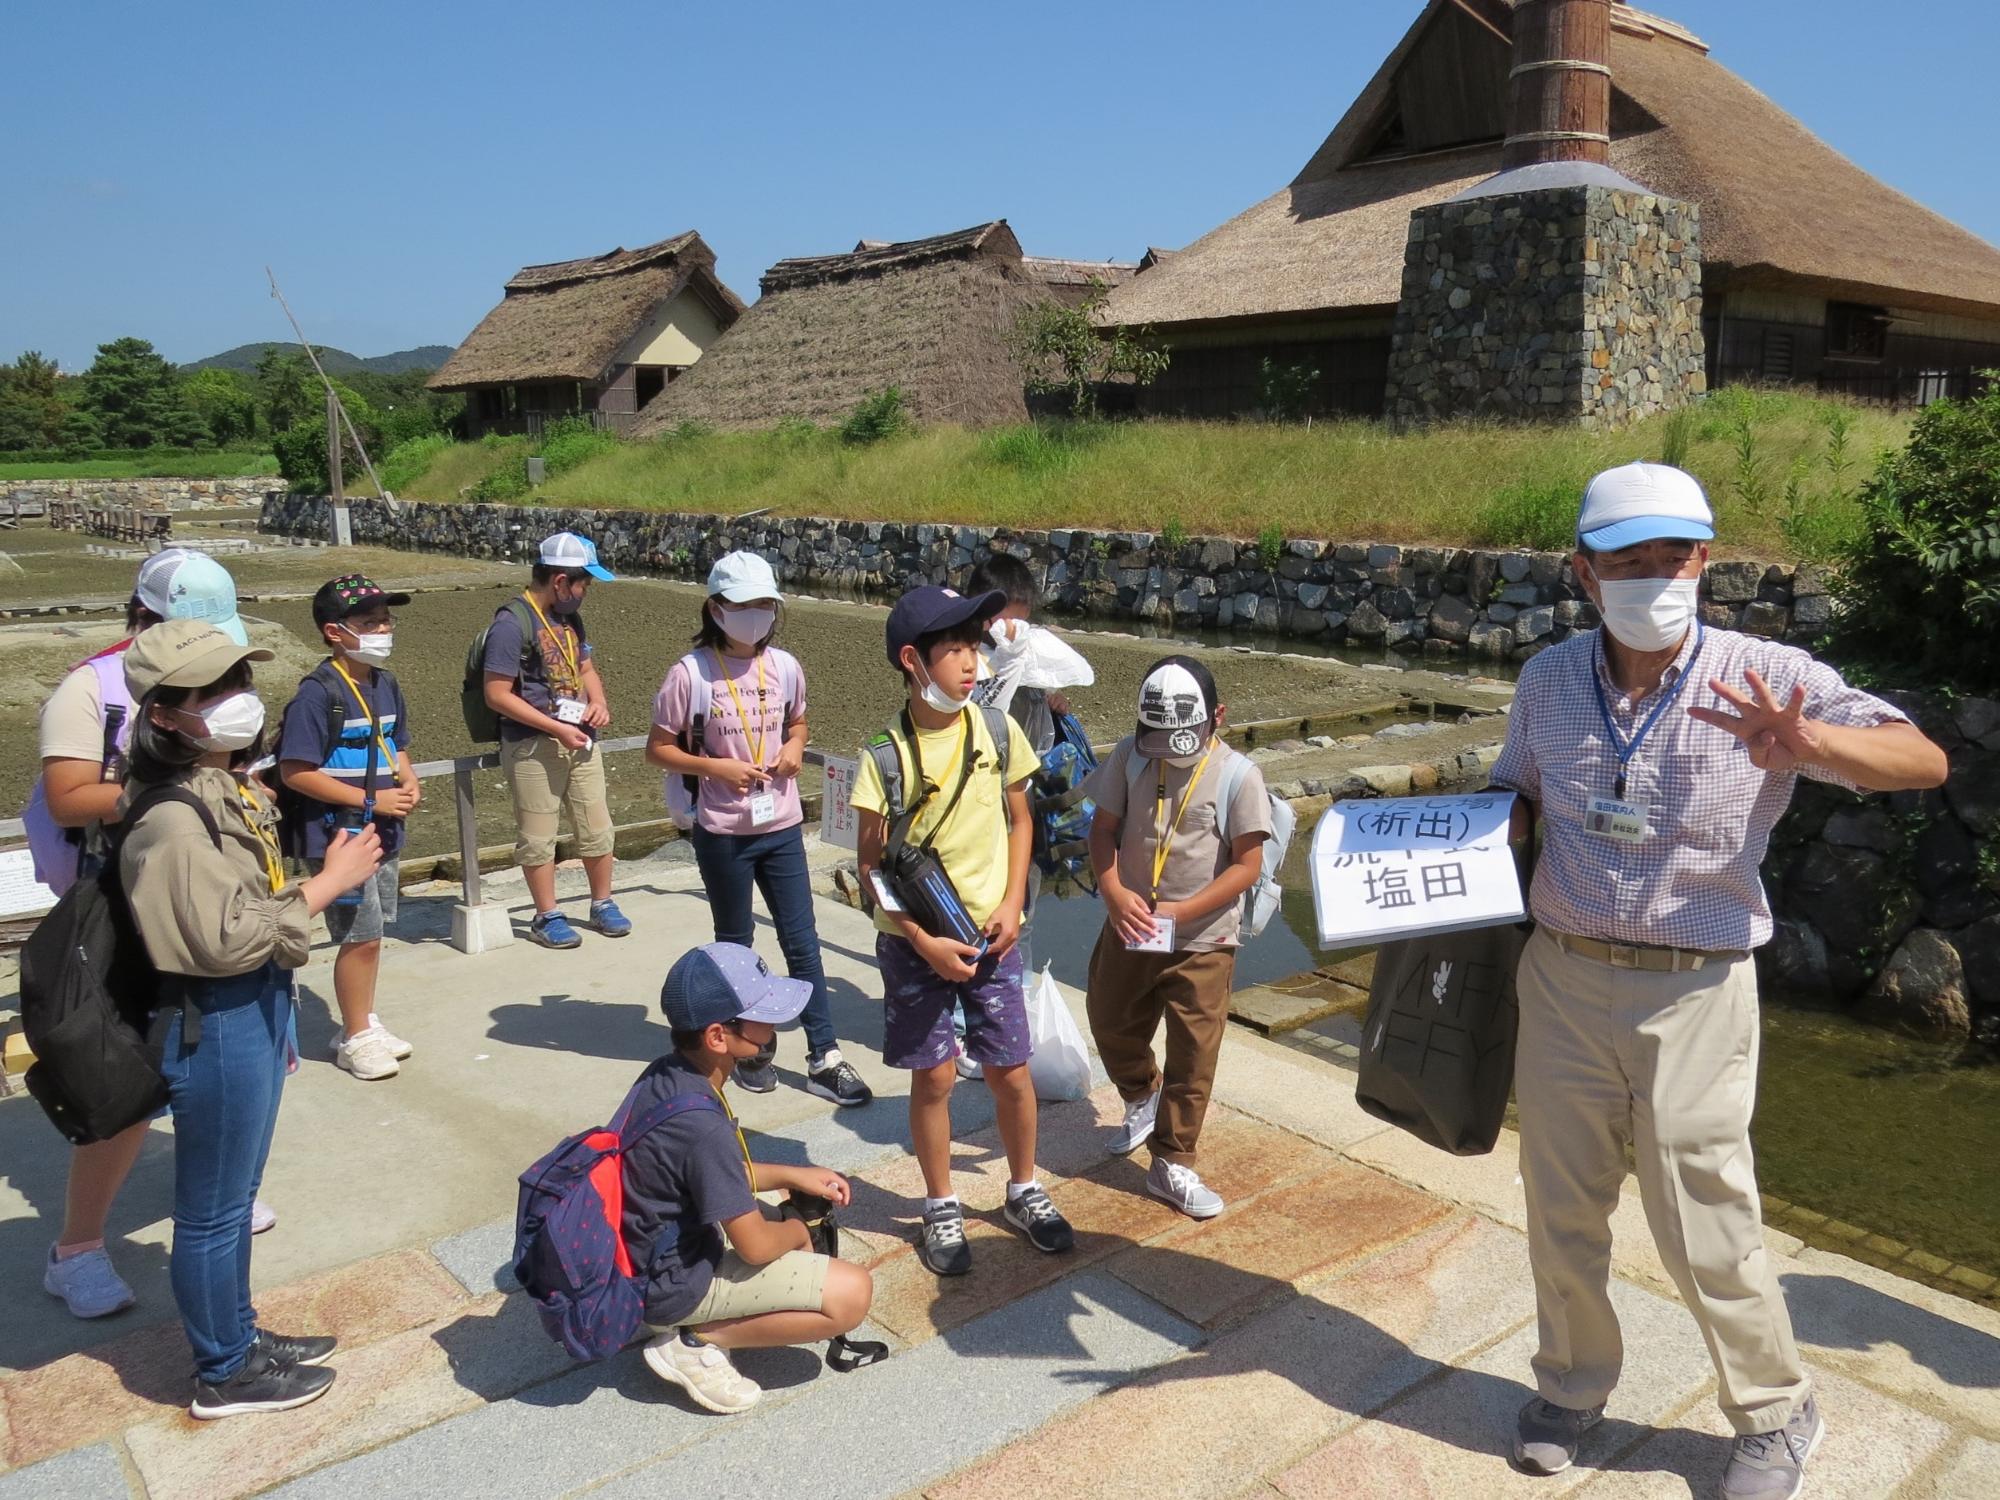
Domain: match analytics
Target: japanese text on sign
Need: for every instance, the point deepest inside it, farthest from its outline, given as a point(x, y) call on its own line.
point(1408, 865)
point(839, 824)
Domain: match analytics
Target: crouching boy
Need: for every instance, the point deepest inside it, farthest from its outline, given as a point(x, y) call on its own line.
point(1176, 843)
point(726, 1271)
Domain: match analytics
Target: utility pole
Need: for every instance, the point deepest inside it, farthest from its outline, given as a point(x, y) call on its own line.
point(343, 525)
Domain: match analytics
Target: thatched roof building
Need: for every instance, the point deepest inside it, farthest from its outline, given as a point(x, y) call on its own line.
point(932, 316)
point(603, 334)
point(1813, 270)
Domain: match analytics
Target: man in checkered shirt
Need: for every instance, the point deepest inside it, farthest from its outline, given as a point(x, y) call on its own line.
point(1659, 753)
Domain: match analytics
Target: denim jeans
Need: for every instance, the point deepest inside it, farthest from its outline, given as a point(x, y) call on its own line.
point(775, 863)
point(224, 1093)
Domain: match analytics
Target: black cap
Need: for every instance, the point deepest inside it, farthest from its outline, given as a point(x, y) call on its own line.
point(927, 610)
point(340, 597)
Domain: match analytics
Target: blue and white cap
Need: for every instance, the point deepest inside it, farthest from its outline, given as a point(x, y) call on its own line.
point(573, 554)
point(1642, 502)
point(728, 982)
point(182, 584)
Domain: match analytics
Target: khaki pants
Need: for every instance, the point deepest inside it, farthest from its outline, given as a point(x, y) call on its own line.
point(1130, 993)
point(545, 779)
point(1667, 1064)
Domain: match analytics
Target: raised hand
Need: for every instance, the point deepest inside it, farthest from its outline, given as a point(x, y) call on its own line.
point(1777, 738)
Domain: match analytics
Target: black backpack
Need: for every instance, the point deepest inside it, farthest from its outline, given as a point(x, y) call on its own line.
point(88, 995)
point(481, 722)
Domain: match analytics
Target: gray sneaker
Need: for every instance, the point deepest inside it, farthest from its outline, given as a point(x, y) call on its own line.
point(1178, 1185)
point(1547, 1435)
point(1772, 1465)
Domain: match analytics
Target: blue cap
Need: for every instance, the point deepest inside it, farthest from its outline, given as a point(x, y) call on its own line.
point(574, 554)
point(728, 982)
point(929, 609)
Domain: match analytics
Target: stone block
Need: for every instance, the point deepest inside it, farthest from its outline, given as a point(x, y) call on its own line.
point(1972, 1473)
point(92, 1473)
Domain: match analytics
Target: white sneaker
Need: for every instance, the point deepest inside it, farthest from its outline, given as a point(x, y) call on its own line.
point(88, 1284)
point(703, 1371)
point(262, 1216)
point(367, 1054)
point(1178, 1186)
point(967, 1067)
point(398, 1048)
point(1139, 1117)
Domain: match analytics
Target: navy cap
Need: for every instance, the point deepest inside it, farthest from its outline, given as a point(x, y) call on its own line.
point(728, 982)
point(929, 609)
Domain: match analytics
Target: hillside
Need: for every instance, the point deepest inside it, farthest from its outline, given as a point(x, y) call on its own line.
point(243, 359)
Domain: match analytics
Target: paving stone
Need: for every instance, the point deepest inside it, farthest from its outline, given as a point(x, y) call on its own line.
point(1309, 1099)
point(954, 1399)
point(92, 1473)
point(1069, 1136)
point(1872, 1444)
point(1451, 1438)
point(1288, 1379)
point(481, 1258)
point(1256, 1253)
point(1972, 1473)
point(385, 1390)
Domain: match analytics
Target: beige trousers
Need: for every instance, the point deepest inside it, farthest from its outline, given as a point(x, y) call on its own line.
point(1666, 1064)
point(546, 780)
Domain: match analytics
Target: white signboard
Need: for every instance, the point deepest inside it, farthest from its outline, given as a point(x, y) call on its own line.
point(20, 893)
point(839, 824)
point(1401, 866)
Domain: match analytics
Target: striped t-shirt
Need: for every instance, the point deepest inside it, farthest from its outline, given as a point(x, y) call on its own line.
point(307, 736)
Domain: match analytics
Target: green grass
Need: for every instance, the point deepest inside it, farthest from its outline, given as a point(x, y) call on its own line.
point(1467, 484)
point(155, 463)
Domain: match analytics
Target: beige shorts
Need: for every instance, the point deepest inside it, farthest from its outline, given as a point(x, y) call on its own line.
point(794, 1282)
point(546, 780)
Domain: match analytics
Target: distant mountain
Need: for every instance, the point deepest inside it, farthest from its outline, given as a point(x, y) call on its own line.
point(243, 359)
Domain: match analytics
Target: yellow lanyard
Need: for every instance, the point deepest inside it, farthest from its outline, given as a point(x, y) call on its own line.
point(388, 754)
point(267, 841)
point(749, 1167)
point(1167, 831)
point(562, 640)
point(759, 740)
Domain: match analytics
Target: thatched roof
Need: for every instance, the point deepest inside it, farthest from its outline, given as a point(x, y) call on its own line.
point(932, 316)
point(1779, 207)
point(567, 320)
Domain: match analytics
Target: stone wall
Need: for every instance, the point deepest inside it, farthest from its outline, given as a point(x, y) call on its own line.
point(1576, 304)
point(149, 494)
point(1432, 601)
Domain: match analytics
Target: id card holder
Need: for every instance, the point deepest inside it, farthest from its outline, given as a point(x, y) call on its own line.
point(884, 897)
point(570, 710)
point(1623, 822)
point(1162, 940)
point(763, 808)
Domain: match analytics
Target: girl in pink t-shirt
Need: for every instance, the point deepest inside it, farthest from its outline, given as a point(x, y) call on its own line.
point(731, 720)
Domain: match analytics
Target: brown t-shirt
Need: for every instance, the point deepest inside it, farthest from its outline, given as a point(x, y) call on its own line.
point(1197, 852)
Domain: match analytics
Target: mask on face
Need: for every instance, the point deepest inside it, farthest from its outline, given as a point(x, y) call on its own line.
point(746, 627)
point(373, 649)
point(940, 700)
point(232, 723)
point(1187, 762)
point(1648, 614)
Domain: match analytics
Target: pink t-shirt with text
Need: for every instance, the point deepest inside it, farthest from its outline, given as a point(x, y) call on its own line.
point(782, 702)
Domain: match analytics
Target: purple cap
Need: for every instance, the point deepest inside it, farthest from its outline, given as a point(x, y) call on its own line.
point(929, 609)
point(728, 982)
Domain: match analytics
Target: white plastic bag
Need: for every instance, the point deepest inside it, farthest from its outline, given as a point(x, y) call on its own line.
point(1060, 1066)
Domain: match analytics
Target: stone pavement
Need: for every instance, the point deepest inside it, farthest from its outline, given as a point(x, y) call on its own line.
point(1358, 1323)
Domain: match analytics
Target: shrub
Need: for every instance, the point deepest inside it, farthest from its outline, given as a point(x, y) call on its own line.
point(1919, 589)
point(567, 443)
point(404, 464)
point(1062, 350)
point(1284, 390)
point(1537, 514)
point(301, 455)
point(876, 416)
point(1270, 546)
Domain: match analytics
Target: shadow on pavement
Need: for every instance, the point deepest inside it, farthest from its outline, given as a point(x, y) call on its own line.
point(1842, 1314)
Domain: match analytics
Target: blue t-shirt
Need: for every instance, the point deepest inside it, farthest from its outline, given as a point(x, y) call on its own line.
point(306, 735)
point(545, 675)
point(682, 1182)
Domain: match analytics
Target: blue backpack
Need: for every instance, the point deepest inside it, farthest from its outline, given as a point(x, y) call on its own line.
point(569, 1248)
point(1063, 814)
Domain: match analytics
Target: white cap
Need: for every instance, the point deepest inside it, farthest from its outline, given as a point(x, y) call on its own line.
point(1175, 714)
point(573, 554)
point(741, 577)
point(1642, 502)
point(182, 584)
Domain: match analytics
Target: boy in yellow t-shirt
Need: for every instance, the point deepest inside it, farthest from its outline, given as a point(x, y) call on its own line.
point(971, 796)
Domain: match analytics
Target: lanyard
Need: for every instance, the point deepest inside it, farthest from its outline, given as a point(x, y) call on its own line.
point(1626, 749)
point(759, 740)
point(749, 1167)
point(563, 642)
point(267, 841)
point(374, 724)
point(1167, 830)
point(964, 753)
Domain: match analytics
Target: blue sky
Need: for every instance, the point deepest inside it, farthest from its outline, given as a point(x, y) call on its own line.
point(394, 163)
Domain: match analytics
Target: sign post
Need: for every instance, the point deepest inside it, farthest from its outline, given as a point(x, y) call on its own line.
point(839, 824)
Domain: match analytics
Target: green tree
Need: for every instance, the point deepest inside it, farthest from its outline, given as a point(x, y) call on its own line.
point(136, 398)
point(288, 390)
point(224, 402)
point(31, 403)
point(77, 435)
point(1063, 349)
point(1284, 390)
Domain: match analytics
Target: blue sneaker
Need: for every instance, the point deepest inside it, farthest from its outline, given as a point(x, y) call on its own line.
point(552, 930)
point(609, 920)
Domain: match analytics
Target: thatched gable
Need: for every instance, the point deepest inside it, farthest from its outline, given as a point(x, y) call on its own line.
point(1779, 207)
point(1069, 281)
point(568, 319)
point(933, 316)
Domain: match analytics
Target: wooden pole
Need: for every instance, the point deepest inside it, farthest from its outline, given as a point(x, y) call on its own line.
point(1561, 83)
point(333, 474)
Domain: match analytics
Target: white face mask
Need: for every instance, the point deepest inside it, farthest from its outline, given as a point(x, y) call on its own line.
point(1648, 614)
point(1186, 762)
point(232, 723)
point(373, 649)
point(746, 627)
point(940, 700)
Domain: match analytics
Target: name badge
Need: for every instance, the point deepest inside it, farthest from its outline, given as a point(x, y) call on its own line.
point(570, 710)
point(884, 897)
point(1162, 940)
point(763, 808)
point(1608, 818)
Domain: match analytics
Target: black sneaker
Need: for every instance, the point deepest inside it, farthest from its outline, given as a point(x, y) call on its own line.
point(942, 1247)
point(296, 1349)
point(834, 1078)
point(260, 1385)
point(756, 1076)
point(1040, 1221)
